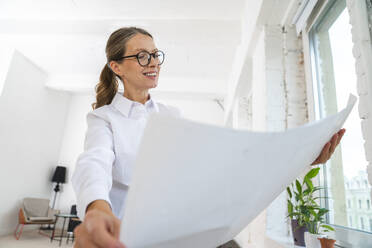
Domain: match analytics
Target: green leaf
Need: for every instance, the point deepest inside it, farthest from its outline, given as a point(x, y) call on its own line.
point(289, 192)
point(312, 173)
point(299, 187)
point(328, 227)
point(322, 212)
point(309, 183)
point(290, 207)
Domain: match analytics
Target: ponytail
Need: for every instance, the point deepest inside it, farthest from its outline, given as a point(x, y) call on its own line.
point(106, 88)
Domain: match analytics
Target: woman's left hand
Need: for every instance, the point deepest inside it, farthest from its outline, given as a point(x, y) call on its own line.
point(329, 148)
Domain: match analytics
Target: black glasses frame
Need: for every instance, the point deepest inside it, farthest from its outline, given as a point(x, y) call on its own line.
point(151, 55)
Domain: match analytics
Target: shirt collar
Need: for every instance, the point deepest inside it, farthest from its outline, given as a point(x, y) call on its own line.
point(124, 105)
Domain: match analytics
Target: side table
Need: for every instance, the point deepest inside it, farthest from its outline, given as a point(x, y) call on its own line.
point(65, 217)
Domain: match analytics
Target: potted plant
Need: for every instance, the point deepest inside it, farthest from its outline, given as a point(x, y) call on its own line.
point(327, 243)
point(316, 228)
point(304, 211)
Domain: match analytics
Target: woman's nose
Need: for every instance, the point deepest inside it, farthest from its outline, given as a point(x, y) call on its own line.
point(153, 62)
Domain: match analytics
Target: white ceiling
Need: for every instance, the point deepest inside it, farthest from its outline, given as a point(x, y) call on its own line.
point(67, 38)
point(128, 9)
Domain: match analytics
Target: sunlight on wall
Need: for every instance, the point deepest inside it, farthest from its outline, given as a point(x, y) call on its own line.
point(5, 59)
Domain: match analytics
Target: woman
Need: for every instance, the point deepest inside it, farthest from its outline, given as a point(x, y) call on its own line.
point(115, 126)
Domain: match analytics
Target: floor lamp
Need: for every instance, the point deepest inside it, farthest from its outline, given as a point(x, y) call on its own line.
point(59, 176)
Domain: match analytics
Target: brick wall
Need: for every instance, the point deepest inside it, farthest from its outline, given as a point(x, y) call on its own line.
point(360, 12)
point(283, 88)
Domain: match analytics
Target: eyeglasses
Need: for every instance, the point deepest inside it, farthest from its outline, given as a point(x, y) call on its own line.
point(144, 57)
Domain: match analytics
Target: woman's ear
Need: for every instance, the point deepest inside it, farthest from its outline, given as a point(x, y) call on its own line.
point(115, 67)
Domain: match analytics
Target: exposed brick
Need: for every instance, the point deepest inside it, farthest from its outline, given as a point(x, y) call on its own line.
point(286, 93)
point(369, 171)
point(362, 88)
point(356, 52)
point(368, 151)
point(359, 67)
point(361, 33)
point(363, 107)
point(366, 129)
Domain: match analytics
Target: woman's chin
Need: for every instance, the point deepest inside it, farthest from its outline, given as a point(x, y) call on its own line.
point(153, 85)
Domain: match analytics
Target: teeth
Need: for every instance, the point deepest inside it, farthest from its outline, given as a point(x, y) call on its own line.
point(151, 74)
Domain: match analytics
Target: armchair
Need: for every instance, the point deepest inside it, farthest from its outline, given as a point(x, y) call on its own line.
point(34, 211)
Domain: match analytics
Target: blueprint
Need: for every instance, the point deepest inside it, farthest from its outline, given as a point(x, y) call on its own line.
point(197, 186)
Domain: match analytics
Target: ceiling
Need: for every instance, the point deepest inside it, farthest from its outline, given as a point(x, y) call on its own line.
point(67, 39)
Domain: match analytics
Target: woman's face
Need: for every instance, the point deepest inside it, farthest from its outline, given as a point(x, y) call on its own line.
point(131, 72)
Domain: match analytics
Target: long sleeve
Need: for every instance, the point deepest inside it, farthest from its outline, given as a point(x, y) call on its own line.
point(92, 178)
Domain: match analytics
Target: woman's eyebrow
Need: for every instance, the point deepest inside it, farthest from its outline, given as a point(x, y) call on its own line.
point(143, 49)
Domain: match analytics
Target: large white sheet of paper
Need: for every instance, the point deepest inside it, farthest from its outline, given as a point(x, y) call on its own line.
point(198, 186)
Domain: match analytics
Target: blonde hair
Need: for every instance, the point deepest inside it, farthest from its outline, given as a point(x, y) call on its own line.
point(115, 49)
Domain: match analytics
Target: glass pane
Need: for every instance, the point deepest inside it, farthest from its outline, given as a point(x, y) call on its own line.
point(345, 175)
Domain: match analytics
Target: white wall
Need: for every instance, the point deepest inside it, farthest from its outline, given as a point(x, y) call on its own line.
point(32, 119)
point(73, 144)
point(5, 59)
point(199, 110)
point(278, 102)
point(254, 234)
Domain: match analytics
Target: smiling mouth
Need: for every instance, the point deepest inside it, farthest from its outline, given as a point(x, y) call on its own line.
point(151, 75)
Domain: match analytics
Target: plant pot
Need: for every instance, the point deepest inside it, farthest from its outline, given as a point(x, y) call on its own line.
point(327, 243)
point(298, 233)
point(311, 240)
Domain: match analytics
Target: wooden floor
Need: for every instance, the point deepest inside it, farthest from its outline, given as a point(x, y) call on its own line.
point(31, 239)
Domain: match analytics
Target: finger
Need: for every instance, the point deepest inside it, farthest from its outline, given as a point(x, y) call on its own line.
point(340, 135)
point(116, 230)
point(103, 238)
point(341, 131)
point(85, 244)
point(324, 154)
point(82, 238)
point(333, 145)
point(321, 156)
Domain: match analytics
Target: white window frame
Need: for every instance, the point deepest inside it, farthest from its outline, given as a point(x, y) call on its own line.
point(346, 237)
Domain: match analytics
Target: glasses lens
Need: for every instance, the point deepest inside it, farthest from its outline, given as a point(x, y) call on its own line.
point(143, 58)
point(159, 57)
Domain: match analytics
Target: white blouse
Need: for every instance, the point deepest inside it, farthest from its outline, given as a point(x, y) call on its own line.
point(103, 171)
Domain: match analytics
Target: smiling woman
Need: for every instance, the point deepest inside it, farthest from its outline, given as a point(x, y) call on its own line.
point(115, 126)
point(121, 42)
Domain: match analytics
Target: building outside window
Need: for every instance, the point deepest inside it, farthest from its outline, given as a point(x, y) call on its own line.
point(344, 176)
point(350, 221)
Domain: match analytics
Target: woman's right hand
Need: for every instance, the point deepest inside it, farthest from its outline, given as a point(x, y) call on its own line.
point(100, 228)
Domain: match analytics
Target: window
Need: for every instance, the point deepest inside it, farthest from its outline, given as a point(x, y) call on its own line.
point(370, 225)
point(333, 67)
point(350, 221)
point(368, 205)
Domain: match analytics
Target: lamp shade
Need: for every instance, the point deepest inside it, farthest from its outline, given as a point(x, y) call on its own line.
point(59, 175)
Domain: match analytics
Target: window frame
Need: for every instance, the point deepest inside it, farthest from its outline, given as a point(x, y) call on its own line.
point(345, 236)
